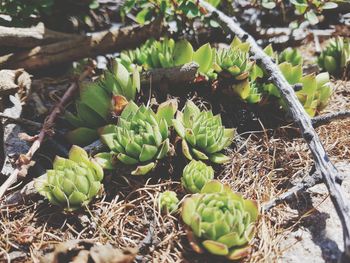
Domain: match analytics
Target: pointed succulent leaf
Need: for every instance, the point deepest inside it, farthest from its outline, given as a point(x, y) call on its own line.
point(143, 169)
point(183, 52)
point(82, 136)
point(215, 248)
point(106, 160)
point(167, 110)
point(204, 57)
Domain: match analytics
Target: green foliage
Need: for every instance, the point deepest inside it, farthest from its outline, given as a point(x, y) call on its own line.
point(202, 133)
point(98, 100)
point(168, 201)
point(309, 9)
point(170, 10)
point(195, 175)
point(72, 182)
point(336, 56)
point(180, 14)
point(291, 55)
point(222, 221)
point(140, 138)
point(23, 12)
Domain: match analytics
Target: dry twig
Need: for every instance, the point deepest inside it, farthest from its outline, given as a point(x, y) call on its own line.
point(327, 118)
point(25, 160)
point(322, 161)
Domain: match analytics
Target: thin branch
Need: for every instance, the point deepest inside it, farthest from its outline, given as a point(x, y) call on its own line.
point(83, 46)
point(25, 160)
point(21, 121)
point(327, 118)
point(322, 161)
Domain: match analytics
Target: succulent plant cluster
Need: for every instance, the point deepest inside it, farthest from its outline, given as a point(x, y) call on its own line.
point(159, 54)
point(220, 221)
point(72, 182)
point(234, 65)
point(313, 90)
point(140, 137)
point(99, 100)
point(167, 53)
point(203, 135)
point(335, 58)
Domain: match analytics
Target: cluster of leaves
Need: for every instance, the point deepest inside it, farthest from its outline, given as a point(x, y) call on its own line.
point(313, 91)
point(24, 13)
point(306, 8)
point(234, 66)
point(99, 100)
point(335, 59)
point(182, 12)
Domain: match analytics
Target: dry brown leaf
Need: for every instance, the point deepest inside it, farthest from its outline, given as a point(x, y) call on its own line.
point(84, 251)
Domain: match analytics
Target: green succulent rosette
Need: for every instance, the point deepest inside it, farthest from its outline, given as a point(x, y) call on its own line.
point(335, 58)
point(168, 201)
point(72, 182)
point(195, 175)
point(203, 135)
point(141, 137)
point(220, 221)
point(234, 60)
point(98, 100)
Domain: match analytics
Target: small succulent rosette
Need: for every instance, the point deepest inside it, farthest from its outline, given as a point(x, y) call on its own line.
point(140, 138)
point(195, 175)
point(220, 221)
point(336, 56)
point(73, 182)
point(203, 135)
point(234, 60)
point(168, 201)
